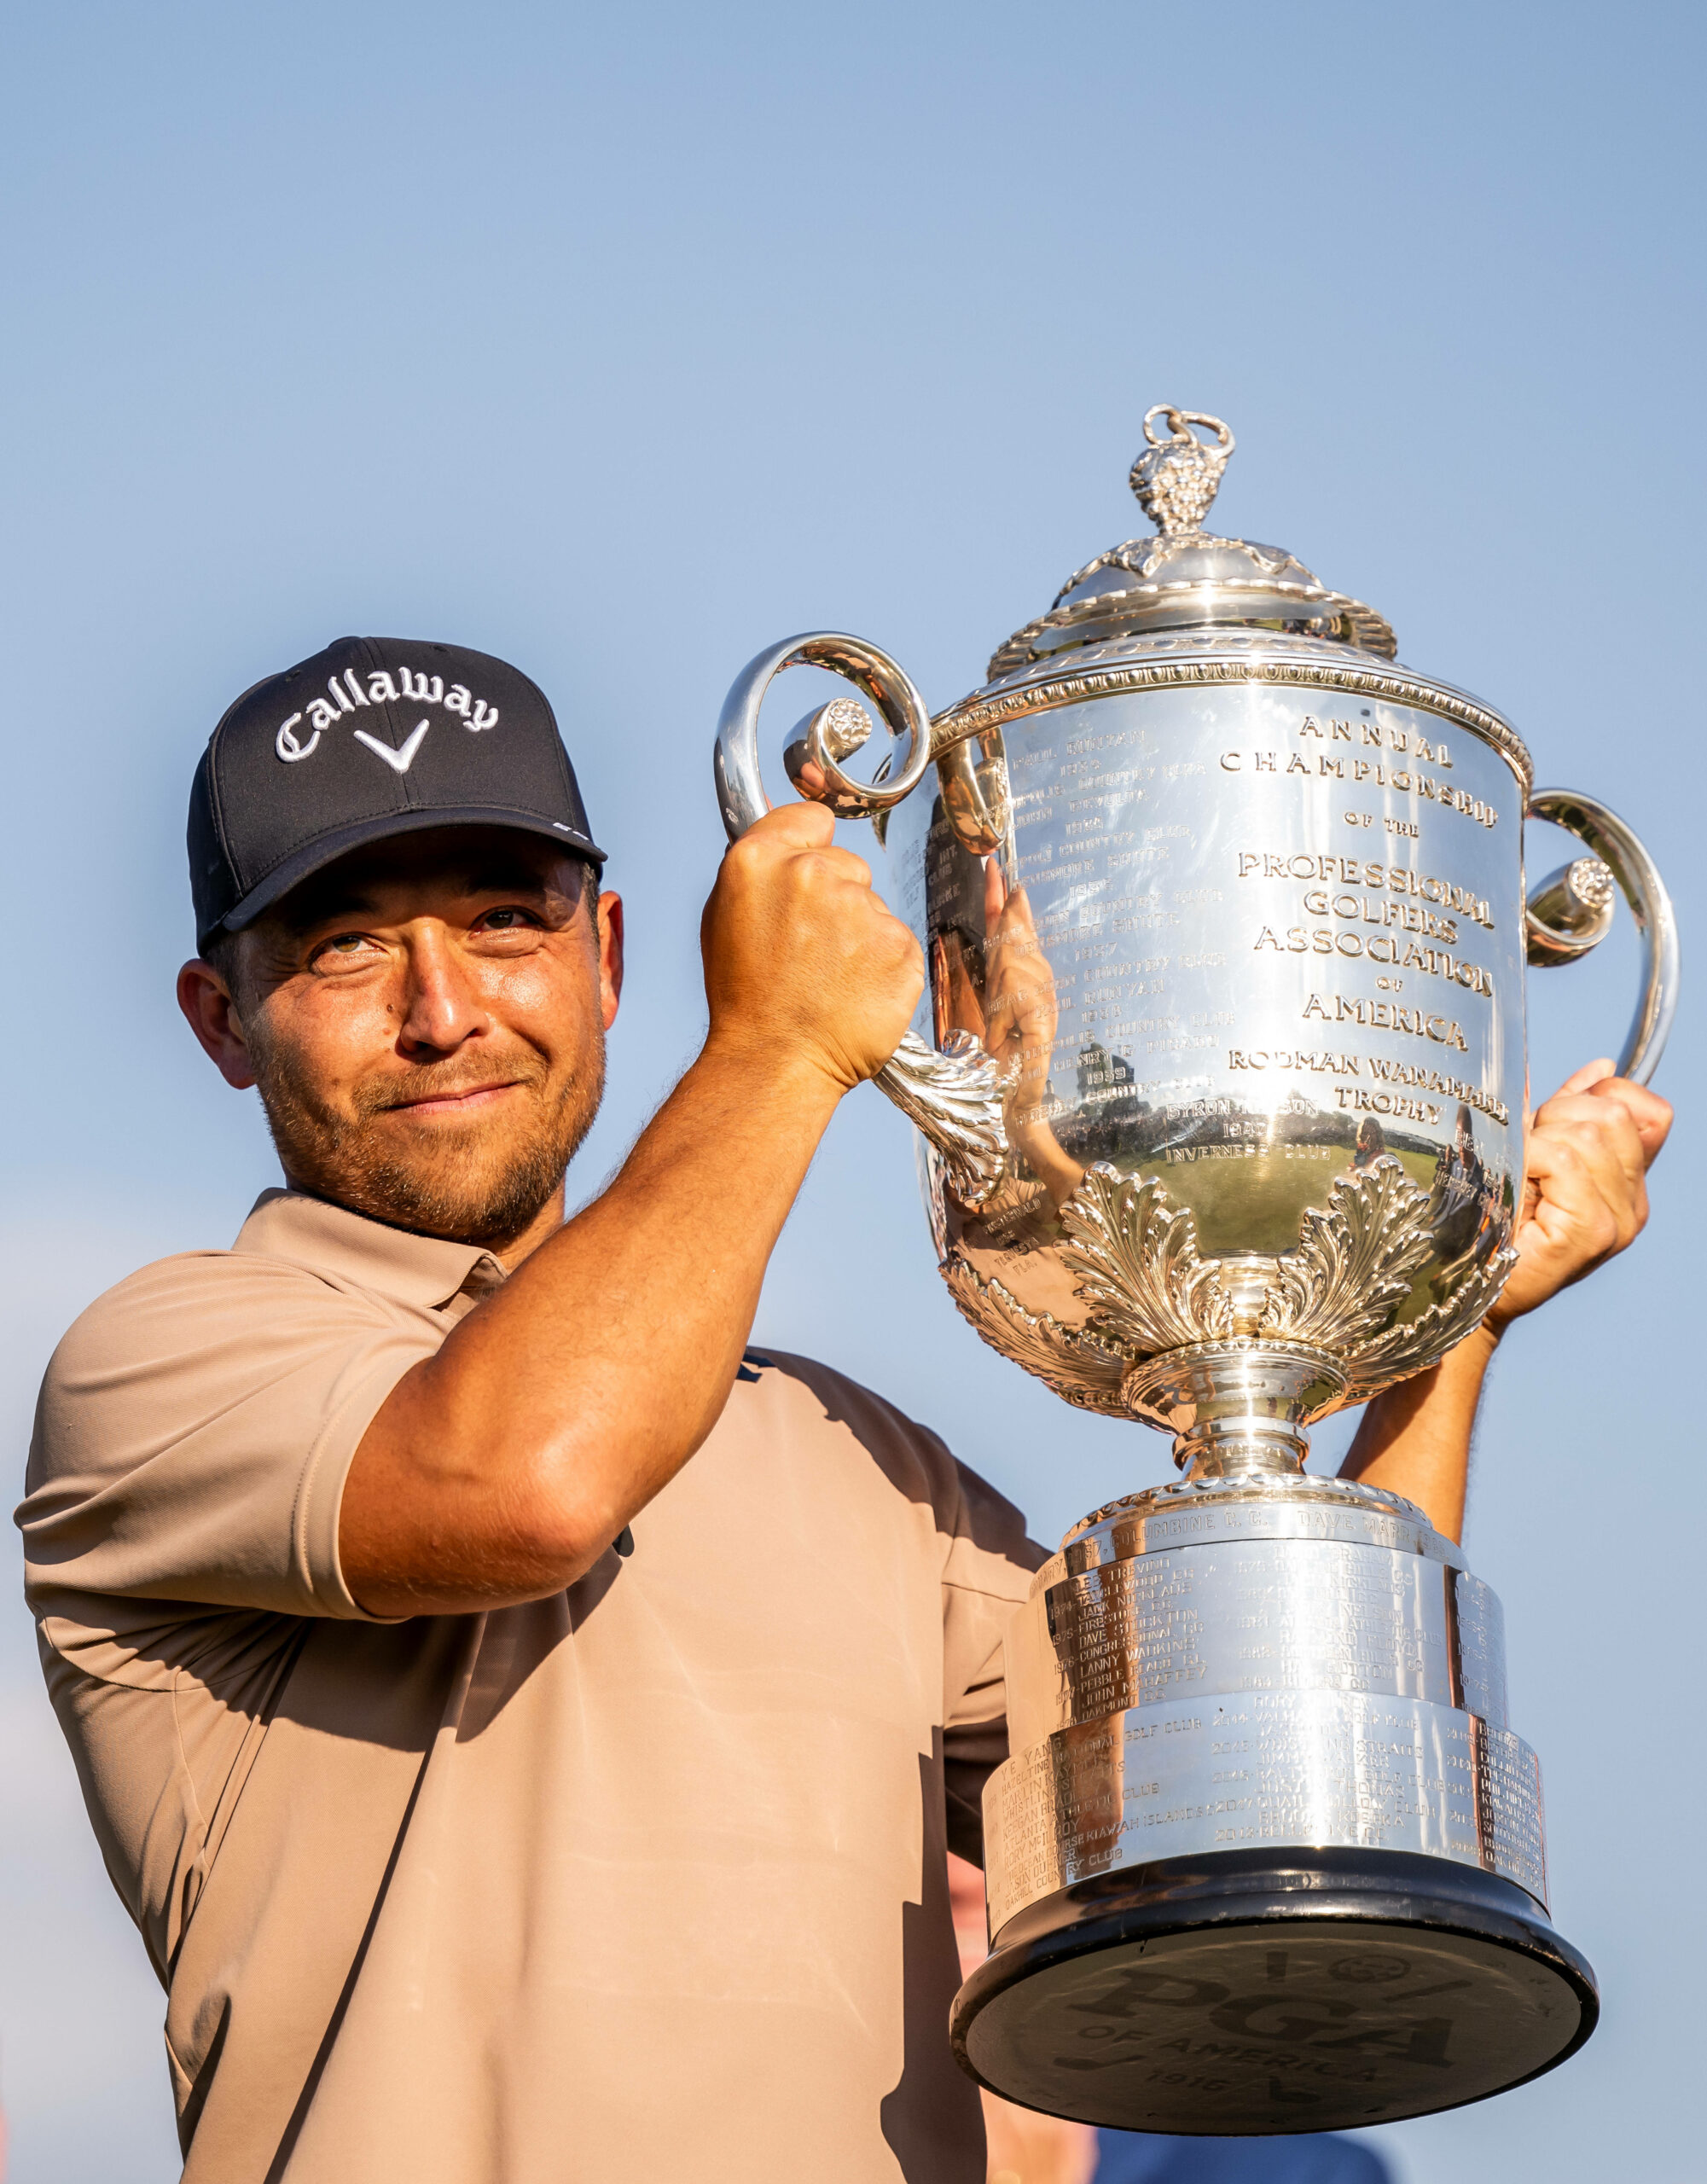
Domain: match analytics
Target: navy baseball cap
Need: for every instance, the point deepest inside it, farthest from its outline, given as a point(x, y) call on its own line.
point(373, 737)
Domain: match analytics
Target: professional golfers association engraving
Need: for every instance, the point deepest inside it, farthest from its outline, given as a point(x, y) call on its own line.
point(1220, 1081)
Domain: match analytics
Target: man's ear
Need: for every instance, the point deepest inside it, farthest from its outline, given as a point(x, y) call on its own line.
point(610, 956)
point(212, 1014)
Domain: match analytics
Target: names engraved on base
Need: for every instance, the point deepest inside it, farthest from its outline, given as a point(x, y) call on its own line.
point(1303, 1767)
point(1253, 1615)
point(1509, 1814)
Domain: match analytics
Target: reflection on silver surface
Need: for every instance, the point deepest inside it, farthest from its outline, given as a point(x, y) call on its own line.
point(1227, 1664)
point(1195, 1513)
point(1239, 957)
point(1616, 846)
point(830, 731)
point(1267, 1767)
point(1570, 912)
point(1246, 1616)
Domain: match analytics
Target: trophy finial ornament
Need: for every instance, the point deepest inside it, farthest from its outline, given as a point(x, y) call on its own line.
point(1177, 478)
point(1182, 576)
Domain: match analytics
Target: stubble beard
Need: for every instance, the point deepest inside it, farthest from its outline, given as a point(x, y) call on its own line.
point(485, 1185)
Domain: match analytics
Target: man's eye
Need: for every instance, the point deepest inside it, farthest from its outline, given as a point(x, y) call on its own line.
point(344, 947)
point(506, 920)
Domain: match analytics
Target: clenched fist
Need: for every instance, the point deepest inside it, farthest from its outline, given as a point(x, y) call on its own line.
point(803, 963)
point(1585, 1190)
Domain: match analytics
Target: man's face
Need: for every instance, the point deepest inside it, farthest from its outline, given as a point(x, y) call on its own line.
point(425, 1021)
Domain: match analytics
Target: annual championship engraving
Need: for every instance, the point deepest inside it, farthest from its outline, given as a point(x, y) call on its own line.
point(1220, 1077)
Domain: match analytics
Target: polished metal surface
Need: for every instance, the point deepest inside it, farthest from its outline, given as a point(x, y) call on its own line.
point(1322, 1766)
point(1176, 477)
point(1186, 575)
point(1256, 968)
point(1239, 908)
point(741, 782)
point(1616, 845)
point(1248, 1614)
point(1260, 1663)
point(1570, 912)
point(1215, 659)
point(950, 1091)
point(1196, 1513)
point(1225, 921)
point(954, 1096)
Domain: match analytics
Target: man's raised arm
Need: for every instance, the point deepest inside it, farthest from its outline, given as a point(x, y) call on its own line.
point(500, 1468)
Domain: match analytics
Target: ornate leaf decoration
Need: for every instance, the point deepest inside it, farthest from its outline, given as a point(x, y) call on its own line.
point(1138, 1268)
point(1414, 1343)
point(1353, 1263)
point(1078, 1367)
point(1149, 1290)
point(954, 1097)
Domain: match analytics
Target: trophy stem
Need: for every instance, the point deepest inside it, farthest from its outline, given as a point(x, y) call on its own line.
point(1241, 1447)
point(1239, 1410)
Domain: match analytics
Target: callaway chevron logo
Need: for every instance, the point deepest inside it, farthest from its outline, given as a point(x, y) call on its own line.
point(401, 759)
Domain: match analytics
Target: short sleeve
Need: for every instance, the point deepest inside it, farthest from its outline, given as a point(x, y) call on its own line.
point(194, 1431)
point(987, 1577)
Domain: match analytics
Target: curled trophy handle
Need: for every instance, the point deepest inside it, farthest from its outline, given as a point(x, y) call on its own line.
point(1571, 910)
point(954, 1097)
point(831, 734)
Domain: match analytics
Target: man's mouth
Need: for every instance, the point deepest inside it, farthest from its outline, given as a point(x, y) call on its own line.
point(444, 1106)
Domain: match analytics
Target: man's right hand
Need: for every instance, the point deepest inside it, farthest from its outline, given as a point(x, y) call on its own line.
point(805, 963)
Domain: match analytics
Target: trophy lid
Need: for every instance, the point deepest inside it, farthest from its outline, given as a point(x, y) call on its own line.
point(1187, 578)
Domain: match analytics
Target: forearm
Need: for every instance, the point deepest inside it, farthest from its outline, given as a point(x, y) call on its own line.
point(1414, 1439)
point(502, 1466)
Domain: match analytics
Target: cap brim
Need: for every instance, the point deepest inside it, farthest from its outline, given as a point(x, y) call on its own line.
point(328, 848)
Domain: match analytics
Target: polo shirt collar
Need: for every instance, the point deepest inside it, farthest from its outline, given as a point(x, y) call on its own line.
point(426, 1271)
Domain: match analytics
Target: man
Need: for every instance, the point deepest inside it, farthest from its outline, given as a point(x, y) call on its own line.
point(1461, 1202)
point(527, 1727)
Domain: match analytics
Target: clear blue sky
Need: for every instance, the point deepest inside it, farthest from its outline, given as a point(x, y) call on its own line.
point(620, 342)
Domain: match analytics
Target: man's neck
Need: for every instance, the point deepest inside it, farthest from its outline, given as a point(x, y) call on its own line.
point(543, 1226)
point(508, 1252)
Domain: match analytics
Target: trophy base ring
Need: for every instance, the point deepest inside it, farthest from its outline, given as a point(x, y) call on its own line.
point(1260, 1992)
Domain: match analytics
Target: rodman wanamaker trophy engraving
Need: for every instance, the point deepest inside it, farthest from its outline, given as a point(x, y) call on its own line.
point(1220, 1078)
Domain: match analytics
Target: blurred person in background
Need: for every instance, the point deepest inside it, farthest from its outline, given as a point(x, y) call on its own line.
point(1027, 2148)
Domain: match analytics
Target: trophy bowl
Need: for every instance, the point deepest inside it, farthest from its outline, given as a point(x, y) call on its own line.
point(1221, 1085)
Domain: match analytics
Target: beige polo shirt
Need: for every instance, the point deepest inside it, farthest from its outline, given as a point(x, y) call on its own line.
point(645, 1881)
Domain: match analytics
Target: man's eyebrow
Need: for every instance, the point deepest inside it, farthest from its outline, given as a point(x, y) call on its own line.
point(340, 903)
point(358, 900)
point(505, 879)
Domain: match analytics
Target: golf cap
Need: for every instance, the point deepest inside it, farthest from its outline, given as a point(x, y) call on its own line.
point(373, 737)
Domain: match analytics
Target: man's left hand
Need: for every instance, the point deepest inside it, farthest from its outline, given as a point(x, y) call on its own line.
point(1585, 1190)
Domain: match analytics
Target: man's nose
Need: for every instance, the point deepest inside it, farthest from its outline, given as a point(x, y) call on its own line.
point(442, 1007)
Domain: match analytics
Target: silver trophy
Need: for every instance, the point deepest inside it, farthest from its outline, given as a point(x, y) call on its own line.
point(1220, 1082)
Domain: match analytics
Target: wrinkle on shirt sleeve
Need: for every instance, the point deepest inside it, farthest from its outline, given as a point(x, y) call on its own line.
point(193, 1432)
